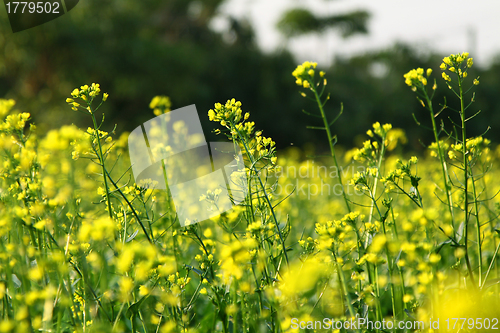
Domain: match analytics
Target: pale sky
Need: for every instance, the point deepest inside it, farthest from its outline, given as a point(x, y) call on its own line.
point(447, 26)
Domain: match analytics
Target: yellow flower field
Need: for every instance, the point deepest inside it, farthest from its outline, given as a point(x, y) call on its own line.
point(366, 240)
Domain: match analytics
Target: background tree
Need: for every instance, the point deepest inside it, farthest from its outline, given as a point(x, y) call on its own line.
point(299, 21)
point(137, 50)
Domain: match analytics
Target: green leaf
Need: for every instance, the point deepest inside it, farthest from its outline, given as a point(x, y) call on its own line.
point(133, 310)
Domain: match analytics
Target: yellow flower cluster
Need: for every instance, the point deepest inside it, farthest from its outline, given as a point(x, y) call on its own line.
point(338, 229)
point(304, 74)
point(302, 277)
point(458, 64)
point(160, 105)
point(15, 122)
point(416, 78)
point(475, 148)
point(381, 130)
point(79, 254)
point(371, 147)
point(97, 229)
point(228, 114)
point(87, 94)
point(403, 171)
point(433, 147)
point(6, 106)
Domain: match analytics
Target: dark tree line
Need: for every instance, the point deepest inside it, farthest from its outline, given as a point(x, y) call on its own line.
point(139, 49)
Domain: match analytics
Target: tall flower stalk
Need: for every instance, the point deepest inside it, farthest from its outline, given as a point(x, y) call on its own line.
point(259, 150)
point(87, 94)
point(456, 65)
point(306, 77)
point(418, 82)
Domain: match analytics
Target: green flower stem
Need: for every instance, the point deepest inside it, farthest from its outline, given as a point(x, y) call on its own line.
point(220, 307)
point(400, 269)
point(444, 168)
point(361, 251)
point(373, 193)
point(374, 206)
point(343, 284)
point(478, 231)
point(266, 196)
point(466, 181)
point(330, 142)
point(251, 215)
point(390, 264)
point(491, 265)
point(377, 290)
point(491, 217)
point(106, 174)
point(101, 161)
point(375, 271)
point(129, 204)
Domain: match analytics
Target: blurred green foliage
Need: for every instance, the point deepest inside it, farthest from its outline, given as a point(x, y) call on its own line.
point(372, 88)
point(300, 21)
point(139, 49)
